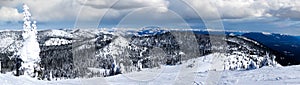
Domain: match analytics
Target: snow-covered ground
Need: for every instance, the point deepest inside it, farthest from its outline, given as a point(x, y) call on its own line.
point(197, 71)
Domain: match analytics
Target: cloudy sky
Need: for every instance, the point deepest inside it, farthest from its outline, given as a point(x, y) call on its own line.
point(280, 16)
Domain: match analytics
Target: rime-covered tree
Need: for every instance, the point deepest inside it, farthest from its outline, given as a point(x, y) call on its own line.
point(29, 53)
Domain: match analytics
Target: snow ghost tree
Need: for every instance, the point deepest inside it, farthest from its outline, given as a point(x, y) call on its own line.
point(29, 53)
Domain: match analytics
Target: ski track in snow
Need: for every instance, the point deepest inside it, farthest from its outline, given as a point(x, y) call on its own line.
point(178, 74)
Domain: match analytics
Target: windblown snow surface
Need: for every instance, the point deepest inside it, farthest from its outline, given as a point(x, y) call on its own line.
point(198, 71)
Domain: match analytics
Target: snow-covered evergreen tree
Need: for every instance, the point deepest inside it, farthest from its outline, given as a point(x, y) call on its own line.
point(29, 53)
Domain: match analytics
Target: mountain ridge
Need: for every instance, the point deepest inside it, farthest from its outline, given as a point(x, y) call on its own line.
point(70, 54)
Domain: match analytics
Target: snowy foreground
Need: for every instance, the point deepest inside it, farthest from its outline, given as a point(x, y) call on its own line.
point(192, 72)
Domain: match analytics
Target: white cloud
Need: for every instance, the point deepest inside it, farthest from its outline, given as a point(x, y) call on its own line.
point(45, 10)
point(55, 10)
point(68, 9)
point(151, 16)
point(229, 9)
point(123, 4)
point(9, 14)
point(117, 8)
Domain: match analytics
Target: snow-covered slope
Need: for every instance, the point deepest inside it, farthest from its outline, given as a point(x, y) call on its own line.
point(91, 53)
point(192, 72)
point(10, 41)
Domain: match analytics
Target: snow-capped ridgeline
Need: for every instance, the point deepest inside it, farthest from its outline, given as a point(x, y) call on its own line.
point(150, 31)
point(29, 53)
point(57, 41)
point(57, 33)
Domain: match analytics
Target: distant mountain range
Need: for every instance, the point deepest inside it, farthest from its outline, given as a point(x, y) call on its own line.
point(70, 53)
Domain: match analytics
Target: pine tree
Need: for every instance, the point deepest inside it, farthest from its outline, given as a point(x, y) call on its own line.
point(29, 53)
